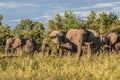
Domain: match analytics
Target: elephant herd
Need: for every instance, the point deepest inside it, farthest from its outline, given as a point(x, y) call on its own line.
point(82, 41)
point(20, 43)
point(79, 41)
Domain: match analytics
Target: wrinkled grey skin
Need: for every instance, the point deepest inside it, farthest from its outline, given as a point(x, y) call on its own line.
point(16, 43)
point(109, 39)
point(56, 37)
point(13, 43)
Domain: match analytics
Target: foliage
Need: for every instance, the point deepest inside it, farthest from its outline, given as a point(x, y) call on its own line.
point(29, 29)
point(102, 22)
point(65, 22)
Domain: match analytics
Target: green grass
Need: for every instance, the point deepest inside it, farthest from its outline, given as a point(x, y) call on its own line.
point(102, 67)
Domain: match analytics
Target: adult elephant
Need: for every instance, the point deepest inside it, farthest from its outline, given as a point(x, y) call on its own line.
point(77, 37)
point(80, 36)
point(109, 39)
point(57, 37)
point(13, 43)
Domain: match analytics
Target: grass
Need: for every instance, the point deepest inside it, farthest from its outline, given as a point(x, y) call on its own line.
point(39, 67)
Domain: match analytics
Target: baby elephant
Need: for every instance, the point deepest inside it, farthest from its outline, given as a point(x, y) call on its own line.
point(117, 46)
point(86, 47)
point(30, 45)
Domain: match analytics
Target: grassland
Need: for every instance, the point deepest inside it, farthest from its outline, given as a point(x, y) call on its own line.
point(39, 67)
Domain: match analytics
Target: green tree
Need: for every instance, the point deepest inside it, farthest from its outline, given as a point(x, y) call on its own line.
point(24, 25)
point(91, 20)
point(1, 17)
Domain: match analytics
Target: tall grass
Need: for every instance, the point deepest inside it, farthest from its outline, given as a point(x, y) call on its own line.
point(39, 67)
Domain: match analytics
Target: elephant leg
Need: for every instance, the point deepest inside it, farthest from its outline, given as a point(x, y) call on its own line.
point(113, 49)
point(6, 48)
point(69, 52)
point(58, 49)
point(13, 50)
point(89, 50)
point(60, 52)
point(79, 48)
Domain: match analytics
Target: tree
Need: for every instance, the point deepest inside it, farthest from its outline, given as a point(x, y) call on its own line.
point(65, 22)
point(1, 17)
point(91, 20)
point(24, 25)
point(5, 33)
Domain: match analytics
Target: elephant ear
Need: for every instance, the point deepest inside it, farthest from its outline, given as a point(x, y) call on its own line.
point(113, 38)
point(17, 43)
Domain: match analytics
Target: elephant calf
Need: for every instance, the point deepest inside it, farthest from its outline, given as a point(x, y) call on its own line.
point(117, 46)
point(30, 45)
point(86, 47)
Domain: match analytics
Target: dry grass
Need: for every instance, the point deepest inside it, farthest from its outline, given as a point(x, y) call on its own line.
point(39, 67)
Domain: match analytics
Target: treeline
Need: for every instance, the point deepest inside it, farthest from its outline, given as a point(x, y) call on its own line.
point(102, 22)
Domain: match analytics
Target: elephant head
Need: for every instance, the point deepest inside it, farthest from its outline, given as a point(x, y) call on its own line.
point(109, 39)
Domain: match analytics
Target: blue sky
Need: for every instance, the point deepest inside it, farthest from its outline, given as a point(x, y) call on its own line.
point(43, 10)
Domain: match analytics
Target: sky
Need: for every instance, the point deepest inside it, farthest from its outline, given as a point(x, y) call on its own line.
point(43, 10)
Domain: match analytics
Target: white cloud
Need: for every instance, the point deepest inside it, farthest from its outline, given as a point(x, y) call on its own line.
point(17, 20)
point(15, 4)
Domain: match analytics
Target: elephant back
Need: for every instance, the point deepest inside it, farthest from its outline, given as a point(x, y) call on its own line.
point(75, 35)
point(56, 36)
point(92, 35)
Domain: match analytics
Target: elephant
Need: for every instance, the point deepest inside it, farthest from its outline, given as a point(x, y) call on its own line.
point(57, 37)
point(13, 43)
point(77, 37)
point(94, 40)
point(30, 45)
point(16, 43)
point(109, 39)
point(117, 46)
point(80, 36)
point(86, 47)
